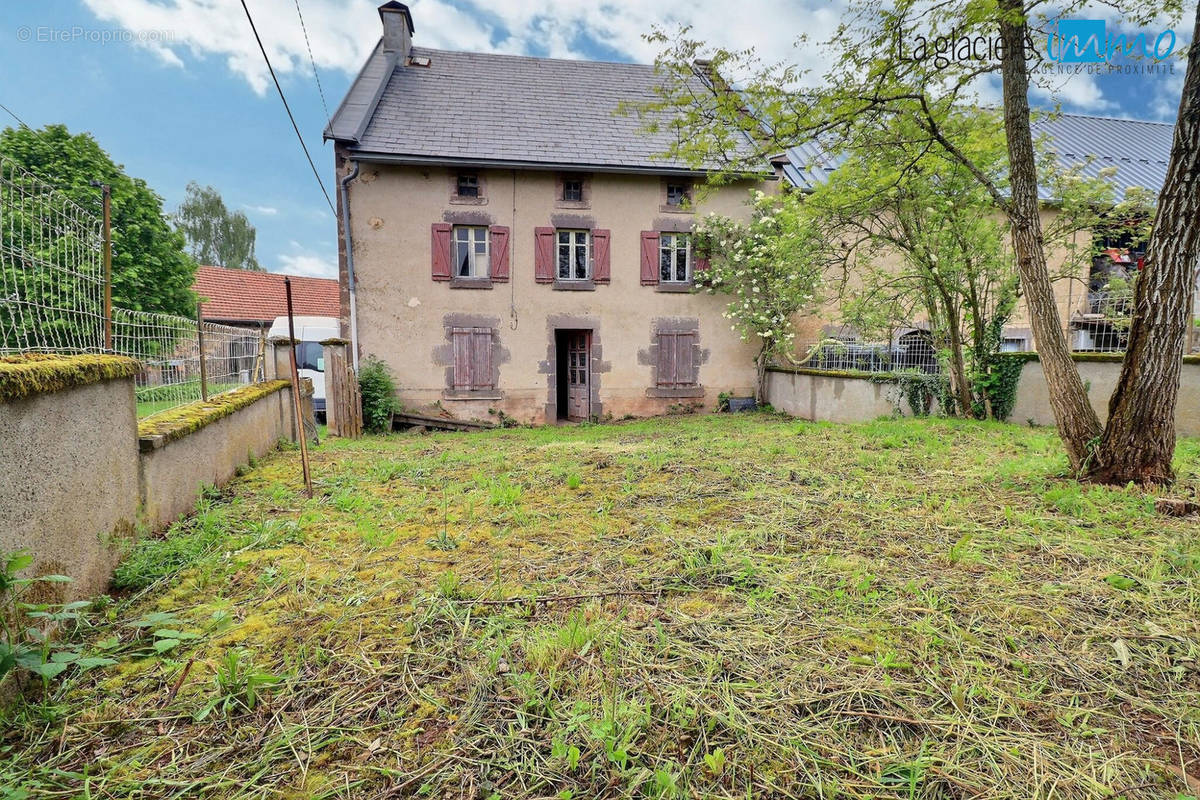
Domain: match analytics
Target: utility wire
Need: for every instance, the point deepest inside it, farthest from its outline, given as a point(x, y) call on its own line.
point(14, 116)
point(288, 108)
point(313, 61)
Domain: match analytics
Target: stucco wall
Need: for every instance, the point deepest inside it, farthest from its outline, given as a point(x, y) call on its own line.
point(1033, 395)
point(173, 473)
point(69, 492)
point(832, 398)
point(402, 312)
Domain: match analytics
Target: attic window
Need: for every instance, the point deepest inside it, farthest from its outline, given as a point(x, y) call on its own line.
point(572, 190)
point(468, 185)
point(678, 194)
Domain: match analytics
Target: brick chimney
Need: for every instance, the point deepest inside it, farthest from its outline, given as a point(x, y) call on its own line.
point(397, 29)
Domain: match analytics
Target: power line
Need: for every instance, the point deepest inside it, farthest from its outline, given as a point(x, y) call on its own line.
point(14, 116)
point(313, 61)
point(288, 108)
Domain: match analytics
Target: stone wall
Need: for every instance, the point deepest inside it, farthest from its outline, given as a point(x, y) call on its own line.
point(833, 396)
point(1100, 372)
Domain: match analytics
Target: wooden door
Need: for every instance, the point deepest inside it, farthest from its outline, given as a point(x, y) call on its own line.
point(579, 379)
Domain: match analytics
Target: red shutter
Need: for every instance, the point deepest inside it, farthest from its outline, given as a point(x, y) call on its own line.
point(666, 359)
point(601, 267)
point(543, 255)
point(649, 258)
point(499, 257)
point(461, 338)
point(481, 358)
point(699, 268)
point(441, 251)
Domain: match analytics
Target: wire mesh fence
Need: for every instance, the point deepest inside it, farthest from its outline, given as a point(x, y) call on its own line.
point(911, 352)
point(52, 289)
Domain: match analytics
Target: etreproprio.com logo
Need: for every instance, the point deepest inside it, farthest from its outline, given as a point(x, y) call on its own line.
point(1070, 45)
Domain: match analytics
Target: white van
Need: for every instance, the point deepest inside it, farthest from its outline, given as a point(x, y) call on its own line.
point(310, 362)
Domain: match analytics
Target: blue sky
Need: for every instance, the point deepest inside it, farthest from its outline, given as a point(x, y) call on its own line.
point(182, 93)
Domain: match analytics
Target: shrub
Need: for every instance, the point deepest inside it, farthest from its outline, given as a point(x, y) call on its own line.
point(378, 395)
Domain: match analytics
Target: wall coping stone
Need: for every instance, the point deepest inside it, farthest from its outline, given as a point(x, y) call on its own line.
point(1106, 358)
point(874, 377)
point(32, 374)
point(157, 430)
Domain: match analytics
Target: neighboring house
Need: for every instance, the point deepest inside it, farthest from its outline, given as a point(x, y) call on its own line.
point(518, 245)
point(1139, 151)
point(252, 299)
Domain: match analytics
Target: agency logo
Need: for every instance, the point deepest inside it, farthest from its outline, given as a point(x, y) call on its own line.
point(1088, 41)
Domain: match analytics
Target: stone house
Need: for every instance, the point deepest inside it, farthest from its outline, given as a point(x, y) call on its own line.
point(511, 241)
point(515, 243)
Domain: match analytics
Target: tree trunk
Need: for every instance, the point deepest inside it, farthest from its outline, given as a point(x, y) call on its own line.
point(1077, 423)
point(1139, 440)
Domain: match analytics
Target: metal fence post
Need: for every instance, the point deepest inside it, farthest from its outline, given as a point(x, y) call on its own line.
point(200, 341)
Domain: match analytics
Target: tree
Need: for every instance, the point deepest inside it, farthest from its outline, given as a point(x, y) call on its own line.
point(215, 234)
point(771, 265)
point(151, 271)
point(882, 71)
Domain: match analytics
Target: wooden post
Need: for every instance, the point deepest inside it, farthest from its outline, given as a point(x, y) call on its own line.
point(300, 432)
point(200, 341)
point(343, 402)
point(106, 193)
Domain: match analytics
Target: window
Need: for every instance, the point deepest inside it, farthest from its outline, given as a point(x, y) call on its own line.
point(472, 359)
point(572, 190)
point(675, 359)
point(1012, 345)
point(679, 194)
point(467, 185)
point(470, 251)
point(574, 255)
point(675, 257)
point(310, 355)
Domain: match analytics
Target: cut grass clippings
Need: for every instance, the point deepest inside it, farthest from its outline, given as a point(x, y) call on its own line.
point(727, 606)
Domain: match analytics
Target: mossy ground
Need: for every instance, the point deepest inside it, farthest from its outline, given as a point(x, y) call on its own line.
point(728, 606)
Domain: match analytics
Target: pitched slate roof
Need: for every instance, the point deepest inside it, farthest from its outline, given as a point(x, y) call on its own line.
point(1138, 149)
point(494, 109)
point(239, 295)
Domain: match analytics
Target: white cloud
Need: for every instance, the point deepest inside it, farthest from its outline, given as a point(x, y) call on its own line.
point(269, 211)
point(306, 263)
point(343, 32)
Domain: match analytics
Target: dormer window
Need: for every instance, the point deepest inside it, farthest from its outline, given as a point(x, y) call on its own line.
point(467, 185)
point(679, 194)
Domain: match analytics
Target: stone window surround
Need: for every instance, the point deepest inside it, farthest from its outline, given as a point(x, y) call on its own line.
point(666, 208)
point(649, 357)
point(443, 356)
point(559, 179)
point(477, 219)
point(481, 200)
point(676, 225)
point(597, 366)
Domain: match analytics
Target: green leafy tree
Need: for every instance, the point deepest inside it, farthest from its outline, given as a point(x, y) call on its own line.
point(771, 265)
point(216, 235)
point(151, 271)
point(875, 78)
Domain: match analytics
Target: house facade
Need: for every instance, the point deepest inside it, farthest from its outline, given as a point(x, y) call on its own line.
point(512, 242)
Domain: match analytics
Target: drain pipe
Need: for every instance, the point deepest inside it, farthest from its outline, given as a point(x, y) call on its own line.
point(343, 188)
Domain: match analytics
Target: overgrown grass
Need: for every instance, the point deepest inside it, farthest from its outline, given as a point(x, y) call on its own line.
point(735, 606)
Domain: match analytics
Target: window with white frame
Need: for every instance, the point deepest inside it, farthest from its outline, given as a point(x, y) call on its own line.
point(674, 257)
point(574, 255)
point(470, 251)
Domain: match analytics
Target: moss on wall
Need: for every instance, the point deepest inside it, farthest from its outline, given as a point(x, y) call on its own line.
point(874, 377)
point(32, 374)
point(1108, 358)
point(166, 426)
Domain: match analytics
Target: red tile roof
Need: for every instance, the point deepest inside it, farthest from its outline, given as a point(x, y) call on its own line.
point(243, 295)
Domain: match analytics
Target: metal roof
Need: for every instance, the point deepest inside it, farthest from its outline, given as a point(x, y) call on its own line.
point(1138, 149)
point(494, 109)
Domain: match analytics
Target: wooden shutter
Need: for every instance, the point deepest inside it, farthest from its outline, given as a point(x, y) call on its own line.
point(543, 255)
point(601, 267)
point(666, 359)
point(441, 251)
point(499, 253)
point(684, 351)
point(481, 358)
point(699, 268)
point(649, 258)
point(461, 337)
